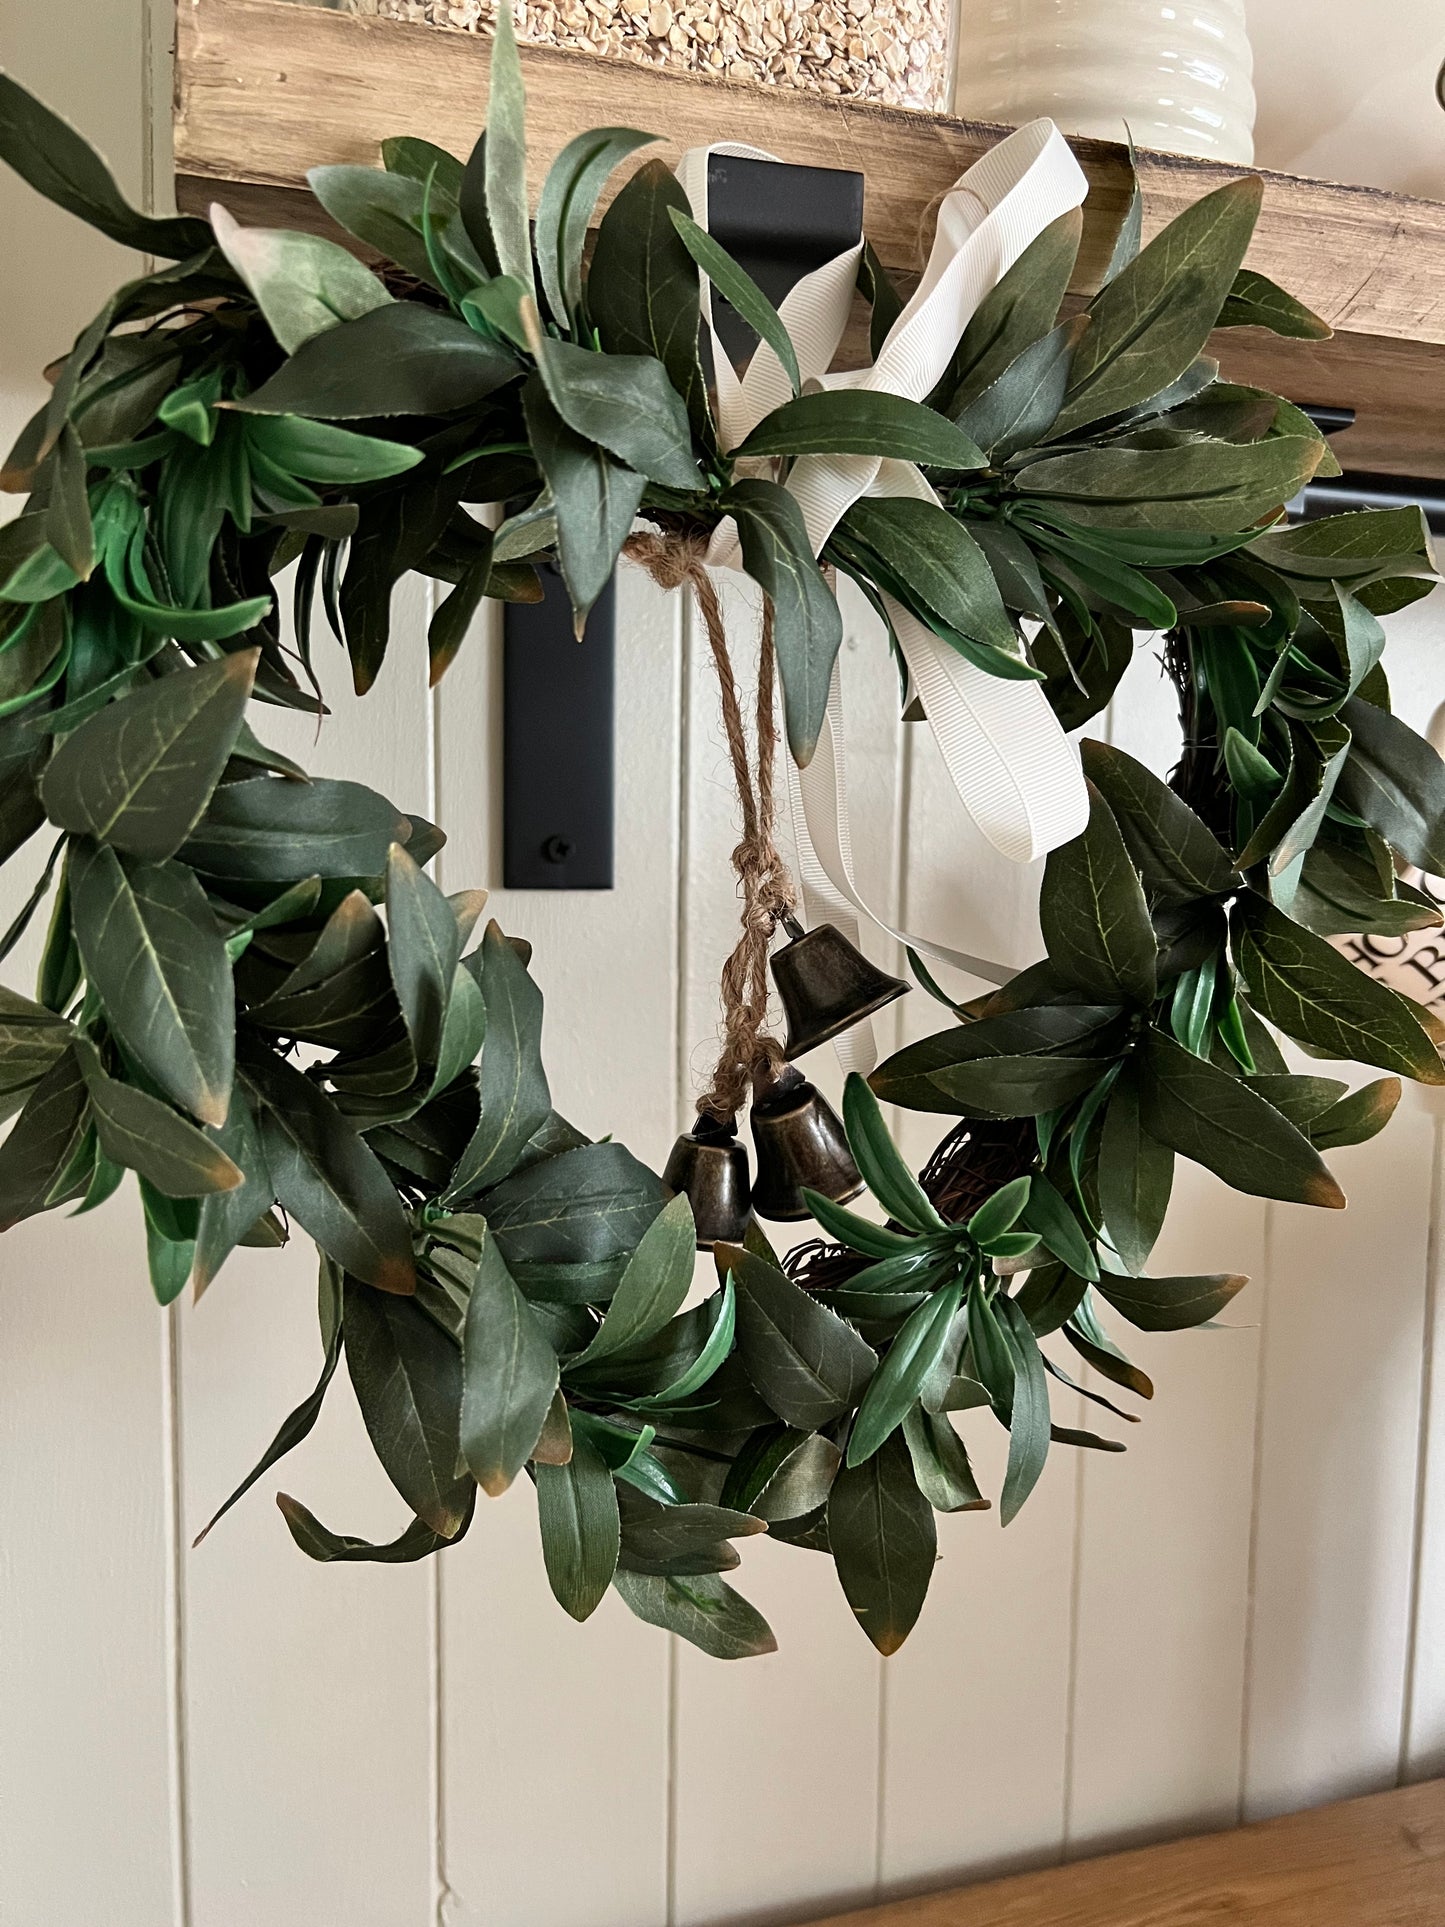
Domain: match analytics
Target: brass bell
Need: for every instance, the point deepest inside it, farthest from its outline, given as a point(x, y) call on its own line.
point(710, 1165)
point(827, 985)
point(800, 1143)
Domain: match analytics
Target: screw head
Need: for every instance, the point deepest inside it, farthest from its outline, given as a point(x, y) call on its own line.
point(557, 849)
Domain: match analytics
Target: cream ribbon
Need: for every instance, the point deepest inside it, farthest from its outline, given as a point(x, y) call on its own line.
point(1016, 772)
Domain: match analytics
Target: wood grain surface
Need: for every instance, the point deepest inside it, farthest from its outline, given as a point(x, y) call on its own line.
point(1376, 1862)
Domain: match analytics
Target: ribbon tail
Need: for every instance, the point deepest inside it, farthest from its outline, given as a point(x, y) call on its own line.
point(1017, 773)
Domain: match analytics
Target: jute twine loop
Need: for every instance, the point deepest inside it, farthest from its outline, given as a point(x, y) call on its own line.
point(748, 1053)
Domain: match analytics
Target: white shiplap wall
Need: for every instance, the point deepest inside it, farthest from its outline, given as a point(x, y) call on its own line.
point(1242, 1615)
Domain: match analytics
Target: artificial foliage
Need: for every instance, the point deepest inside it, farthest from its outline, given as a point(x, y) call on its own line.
point(254, 1000)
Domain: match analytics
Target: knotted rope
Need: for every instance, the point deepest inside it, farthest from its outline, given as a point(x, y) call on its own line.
point(766, 888)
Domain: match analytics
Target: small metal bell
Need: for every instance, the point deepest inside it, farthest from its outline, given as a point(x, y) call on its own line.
point(710, 1165)
point(827, 985)
point(800, 1143)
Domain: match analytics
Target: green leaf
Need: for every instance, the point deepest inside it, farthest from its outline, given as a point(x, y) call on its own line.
point(1395, 780)
point(1356, 1118)
point(509, 1375)
point(1130, 237)
point(862, 421)
point(318, 1542)
point(581, 1532)
point(1171, 1304)
point(937, 565)
point(807, 1363)
point(140, 1132)
point(807, 625)
point(884, 1543)
point(228, 1216)
point(739, 289)
point(295, 1427)
point(513, 1089)
point(506, 155)
point(326, 1177)
point(68, 527)
point(139, 774)
point(564, 212)
point(652, 1288)
point(403, 359)
point(627, 404)
point(1152, 320)
point(1254, 301)
point(1028, 1421)
point(1019, 407)
point(1009, 1086)
point(1022, 306)
point(701, 1609)
point(880, 1162)
point(407, 1376)
point(154, 956)
point(940, 1463)
point(1053, 1219)
point(1136, 1175)
point(596, 498)
point(302, 283)
point(1095, 920)
point(321, 452)
point(32, 1039)
point(382, 209)
point(642, 287)
point(1306, 988)
point(1210, 486)
point(268, 830)
point(170, 1242)
point(1177, 855)
point(1205, 1114)
point(424, 947)
point(894, 1388)
point(47, 152)
point(43, 1140)
point(1000, 1211)
point(588, 1206)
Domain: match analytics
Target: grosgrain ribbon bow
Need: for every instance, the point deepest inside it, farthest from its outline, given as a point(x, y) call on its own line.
point(1016, 772)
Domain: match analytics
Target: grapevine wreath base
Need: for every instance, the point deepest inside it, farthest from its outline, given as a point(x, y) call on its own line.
point(253, 998)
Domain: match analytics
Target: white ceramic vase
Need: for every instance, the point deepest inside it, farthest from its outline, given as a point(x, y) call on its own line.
point(1176, 72)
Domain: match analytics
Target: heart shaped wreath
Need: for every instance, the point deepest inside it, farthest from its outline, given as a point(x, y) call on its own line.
point(224, 1010)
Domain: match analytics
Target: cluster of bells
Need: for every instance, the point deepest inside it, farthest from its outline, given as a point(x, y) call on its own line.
point(826, 986)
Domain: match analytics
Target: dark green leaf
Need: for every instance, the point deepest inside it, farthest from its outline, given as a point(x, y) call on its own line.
point(1395, 780)
point(937, 564)
point(808, 1364)
point(293, 1429)
point(863, 421)
point(1095, 920)
point(596, 498)
point(1170, 1304)
point(1047, 1213)
point(740, 291)
point(32, 1038)
point(424, 947)
point(1356, 1118)
point(940, 1463)
point(1215, 486)
point(404, 359)
point(268, 830)
point(154, 955)
point(326, 1177)
point(228, 1216)
point(1136, 1175)
point(1019, 407)
point(1205, 1114)
point(881, 1530)
point(514, 1095)
point(807, 625)
point(642, 286)
point(587, 1206)
point(880, 1162)
point(577, 1514)
point(1254, 301)
point(509, 1376)
point(652, 1288)
point(1306, 988)
point(140, 1132)
point(1177, 855)
point(1022, 306)
point(894, 1389)
point(47, 152)
point(42, 1141)
point(627, 404)
point(1151, 321)
point(701, 1609)
point(407, 1375)
point(564, 212)
point(139, 774)
point(317, 1542)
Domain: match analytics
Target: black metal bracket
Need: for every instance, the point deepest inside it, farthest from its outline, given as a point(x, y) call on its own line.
point(558, 736)
point(558, 724)
point(1359, 489)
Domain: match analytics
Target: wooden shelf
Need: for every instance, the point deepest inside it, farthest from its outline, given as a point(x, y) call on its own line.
point(1377, 1862)
point(267, 88)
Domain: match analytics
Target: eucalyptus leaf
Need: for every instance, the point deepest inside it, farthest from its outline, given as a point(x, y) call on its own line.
point(808, 1364)
point(509, 1376)
point(581, 1532)
point(884, 1542)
